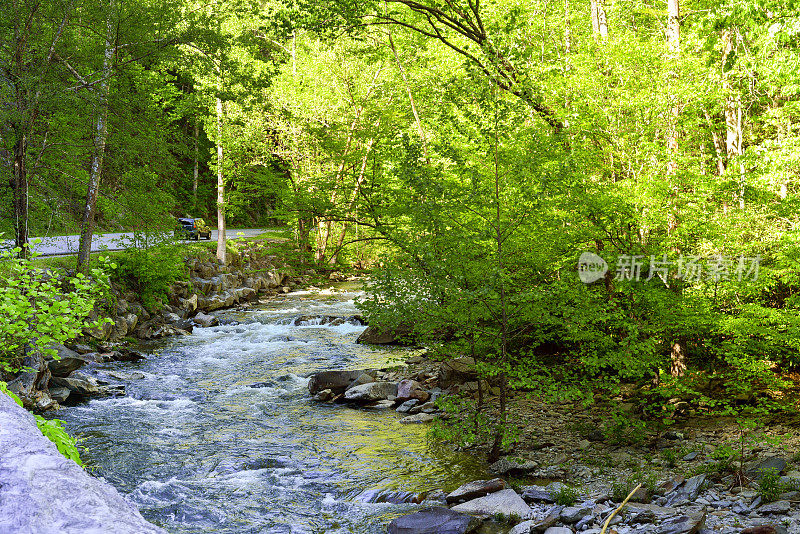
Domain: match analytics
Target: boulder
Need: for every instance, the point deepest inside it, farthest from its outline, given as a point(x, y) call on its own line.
point(374, 391)
point(558, 530)
point(407, 405)
point(474, 489)
point(42, 491)
point(66, 362)
point(437, 520)
point(204, 320)
point(508, 465)
point(336, 381)
point(693, 486)
point(411, 389)
point(360, 380)
point(775, 464)
point(59, 394)
point(777, 507)
point(573, 514)
point(683, 524)
point(457, 371)
point(504, 502)
point(537, 494)
point(382, 335)
point(85, 386)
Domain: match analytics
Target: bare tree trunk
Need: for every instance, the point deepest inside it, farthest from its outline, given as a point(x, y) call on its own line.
point(411, 99)
point(674, 47)
point(19, 186)
point(733, 111)
point(196, 174)
point(100, 138)
point(567, 30)
point(719, 150)
point(221, 239)
point(599, 21)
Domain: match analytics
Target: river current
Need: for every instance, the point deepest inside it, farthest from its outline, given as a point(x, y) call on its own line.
point(217, 432)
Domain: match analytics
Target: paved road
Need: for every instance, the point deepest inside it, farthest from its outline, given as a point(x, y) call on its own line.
point(68, 244)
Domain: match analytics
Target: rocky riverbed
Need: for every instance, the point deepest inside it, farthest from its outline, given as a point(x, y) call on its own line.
point(704, 476)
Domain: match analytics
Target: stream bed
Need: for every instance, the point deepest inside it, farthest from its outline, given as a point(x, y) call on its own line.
point(218, 433)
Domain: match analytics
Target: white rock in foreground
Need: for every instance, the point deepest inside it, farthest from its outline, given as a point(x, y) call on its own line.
point(42, 492)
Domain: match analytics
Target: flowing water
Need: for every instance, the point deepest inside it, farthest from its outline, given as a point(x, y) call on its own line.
point(199, 449)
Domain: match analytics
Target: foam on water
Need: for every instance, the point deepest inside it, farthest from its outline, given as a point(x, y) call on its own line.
point(220, 435)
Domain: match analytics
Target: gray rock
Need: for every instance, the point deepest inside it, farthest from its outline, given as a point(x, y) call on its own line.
point(336, 381)
point(380, 335)
point(474, 489)
point(558, 530)
point(504, 502)
point(59, 394)
point(411, 389)
point(457, 371)
point(509, 465)
point(693, 485)
point(684, 524)
point(536, 494)
point(775, 464)
point(371, 392)
point(573, 514)
point(436, 520)
point(550, 520)
point(691, 456)
point(44, 492)
point(205, 320)
point(360, 380)
point(436, 497)
point(777, 507)
point(523, 528)
point(417, 418)
point(407, 405)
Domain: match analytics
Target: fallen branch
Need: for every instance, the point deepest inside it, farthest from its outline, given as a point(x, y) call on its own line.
point(615, 512)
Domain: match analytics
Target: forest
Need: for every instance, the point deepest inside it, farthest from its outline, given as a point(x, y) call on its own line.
point(578, 194)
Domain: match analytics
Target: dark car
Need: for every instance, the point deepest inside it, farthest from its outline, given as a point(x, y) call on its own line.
point(189, 228)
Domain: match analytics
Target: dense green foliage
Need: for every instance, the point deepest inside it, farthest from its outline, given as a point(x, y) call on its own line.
point(41, 308)
point(469, 153)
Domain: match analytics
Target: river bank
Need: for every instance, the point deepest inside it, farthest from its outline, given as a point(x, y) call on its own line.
point(569, 474)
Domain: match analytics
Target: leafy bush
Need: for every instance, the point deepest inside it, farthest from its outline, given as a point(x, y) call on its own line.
point(151, 272)
point(770, 485)
point(40, 308)
point(565, 495)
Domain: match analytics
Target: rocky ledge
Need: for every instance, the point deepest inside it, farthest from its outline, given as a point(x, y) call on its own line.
point(43, 492)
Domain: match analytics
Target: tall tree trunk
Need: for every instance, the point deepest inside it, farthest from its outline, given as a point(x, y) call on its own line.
point(599, 21)
point(678, 351)
point(196, 174)
point(411, 99)
point(221, 238)
point(733, 111)
point(19, 186)
point(100, 138)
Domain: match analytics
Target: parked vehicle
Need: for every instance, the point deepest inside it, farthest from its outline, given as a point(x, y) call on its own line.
point(191, 228)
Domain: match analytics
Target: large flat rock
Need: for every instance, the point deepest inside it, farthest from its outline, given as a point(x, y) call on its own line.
point(504, 502)
point(436, 520)
point(41, 492)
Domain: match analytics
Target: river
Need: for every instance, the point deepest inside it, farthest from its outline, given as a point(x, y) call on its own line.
point(199, 449)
